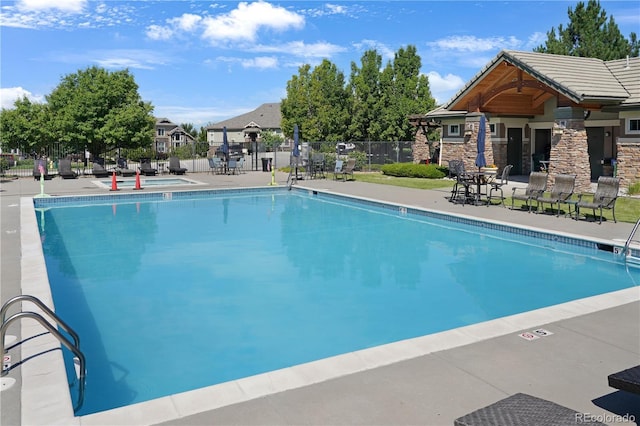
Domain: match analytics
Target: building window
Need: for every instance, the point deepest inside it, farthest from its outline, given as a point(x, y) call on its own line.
point(160, 132)
point(633, 125)
point(492, 129)
point(454, 130)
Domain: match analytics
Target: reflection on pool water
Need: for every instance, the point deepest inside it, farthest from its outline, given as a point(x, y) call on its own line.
point(147, 181)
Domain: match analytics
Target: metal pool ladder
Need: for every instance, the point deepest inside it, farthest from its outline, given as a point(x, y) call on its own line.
point(51, 327)
point(628, 251)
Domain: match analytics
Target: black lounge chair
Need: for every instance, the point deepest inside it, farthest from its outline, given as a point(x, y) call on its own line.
point(99, 171)
point(146, 169)
point(174, 166)
point(36, 170)
point(64, 169)
point(123, 169)
point(535, 188)
point(604, 198)
point(497, 185)
point(522, 409)
point(627, 380)
point(560, 193)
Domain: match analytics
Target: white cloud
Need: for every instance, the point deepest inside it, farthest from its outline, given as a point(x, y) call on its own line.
point(300, 48)
point(70, 6)
point(244, 22)
point(261, 62)
point(112, 59)
point(475, 44)
point(444, 87)
point(9, 95)
point(535, 40)
point(335, 9)
point(187, 22)
point(383, 50)
point(157, 32)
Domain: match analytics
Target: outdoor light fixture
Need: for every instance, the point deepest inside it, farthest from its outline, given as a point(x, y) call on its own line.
point(558, 128)
point(468, 131)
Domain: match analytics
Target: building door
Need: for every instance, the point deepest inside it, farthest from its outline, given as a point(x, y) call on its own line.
point(514, 150)
point(542, 147)
point(595, 145)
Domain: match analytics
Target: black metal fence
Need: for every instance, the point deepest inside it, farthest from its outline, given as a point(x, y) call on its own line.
point(369, 155)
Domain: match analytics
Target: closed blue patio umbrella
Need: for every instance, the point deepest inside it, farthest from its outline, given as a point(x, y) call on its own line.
point(295, 154)
point(480, 160)
point(225, 143)
point(296, 146)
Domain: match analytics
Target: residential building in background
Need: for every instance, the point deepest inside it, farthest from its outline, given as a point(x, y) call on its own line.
point(169, 136)
point(246, 129)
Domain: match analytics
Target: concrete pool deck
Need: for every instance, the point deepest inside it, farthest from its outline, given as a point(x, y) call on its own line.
point(427, 381)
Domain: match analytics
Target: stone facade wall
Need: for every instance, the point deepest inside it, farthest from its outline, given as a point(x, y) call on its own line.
point(628, 167)
point(569, 148)
point(420, 147)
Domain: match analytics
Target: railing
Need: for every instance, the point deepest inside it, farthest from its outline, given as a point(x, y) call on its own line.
point(627, 250)
point(368, 154)
point(73, 347)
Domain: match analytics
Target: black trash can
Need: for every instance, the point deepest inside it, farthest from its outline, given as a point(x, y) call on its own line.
point(266, 164)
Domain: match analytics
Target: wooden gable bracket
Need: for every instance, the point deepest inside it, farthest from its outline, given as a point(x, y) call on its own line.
point(518, 85)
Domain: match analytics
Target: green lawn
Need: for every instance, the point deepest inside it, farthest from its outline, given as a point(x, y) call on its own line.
point(627, 208)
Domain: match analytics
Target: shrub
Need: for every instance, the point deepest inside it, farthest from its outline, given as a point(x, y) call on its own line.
point(634, 188)
point(426, 171)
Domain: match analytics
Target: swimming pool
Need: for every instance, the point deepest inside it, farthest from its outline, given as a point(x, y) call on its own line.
point(301, 256)
point(154, 182)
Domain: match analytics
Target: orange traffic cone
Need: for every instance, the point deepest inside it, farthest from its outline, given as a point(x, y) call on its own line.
point(114, 182)
point(138, 180)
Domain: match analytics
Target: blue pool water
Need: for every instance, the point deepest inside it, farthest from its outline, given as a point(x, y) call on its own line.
point(175, 294)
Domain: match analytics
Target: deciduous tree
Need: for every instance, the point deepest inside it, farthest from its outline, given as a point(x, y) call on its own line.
point(100, 110)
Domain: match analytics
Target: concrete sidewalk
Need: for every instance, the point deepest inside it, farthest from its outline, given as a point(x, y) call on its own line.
point(590, 339)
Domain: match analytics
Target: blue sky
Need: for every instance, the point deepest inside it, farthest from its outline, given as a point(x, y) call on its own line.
point(205, 61)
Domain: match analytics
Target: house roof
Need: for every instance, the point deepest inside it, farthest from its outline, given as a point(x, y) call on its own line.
point(266, 116)
point(521, 82)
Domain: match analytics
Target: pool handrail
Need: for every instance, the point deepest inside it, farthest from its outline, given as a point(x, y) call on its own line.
point(627, 244)
point(73, 347)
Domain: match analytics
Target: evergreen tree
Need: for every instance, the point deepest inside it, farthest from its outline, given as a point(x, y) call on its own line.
point(590, 34)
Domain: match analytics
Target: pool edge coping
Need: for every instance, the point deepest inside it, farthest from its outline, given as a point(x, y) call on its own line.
point(38, 408)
